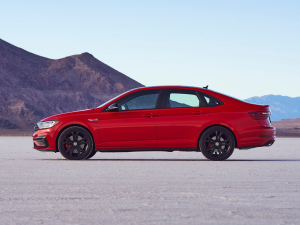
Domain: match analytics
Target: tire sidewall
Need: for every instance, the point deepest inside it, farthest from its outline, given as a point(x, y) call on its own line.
point(93, 153)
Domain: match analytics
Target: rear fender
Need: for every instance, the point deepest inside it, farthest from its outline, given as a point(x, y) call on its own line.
point(213, 123)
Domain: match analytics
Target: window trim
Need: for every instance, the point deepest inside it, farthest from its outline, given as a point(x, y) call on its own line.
point(134, 95)
point(205, 102)
point(166, 96)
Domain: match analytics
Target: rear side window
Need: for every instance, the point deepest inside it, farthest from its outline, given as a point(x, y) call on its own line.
point(182, 100)
point(211, 101)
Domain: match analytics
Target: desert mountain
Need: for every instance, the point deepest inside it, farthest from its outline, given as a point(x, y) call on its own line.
point(34, 87)
point(283, 107)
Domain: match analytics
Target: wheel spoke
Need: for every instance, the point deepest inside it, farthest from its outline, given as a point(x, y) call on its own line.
point(209, 140)
point(220, 150)
point(80, 150)
point(75, 136)
point(70, 150)
point(225, 142)
point(215, 152)
point(220, 135)
point(217, 135)
point(67, 142)
point(82, 141)
point(210, 150)
point(223, 145)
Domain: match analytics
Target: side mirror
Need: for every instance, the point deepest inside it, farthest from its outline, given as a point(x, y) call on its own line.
point(113, 107)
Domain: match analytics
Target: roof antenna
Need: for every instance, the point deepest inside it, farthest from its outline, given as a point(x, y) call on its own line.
point(206, 87)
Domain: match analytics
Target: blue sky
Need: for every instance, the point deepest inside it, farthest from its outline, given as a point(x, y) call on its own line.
point(241, 48)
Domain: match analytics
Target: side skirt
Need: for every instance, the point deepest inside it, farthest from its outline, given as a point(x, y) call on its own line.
point(147, 149)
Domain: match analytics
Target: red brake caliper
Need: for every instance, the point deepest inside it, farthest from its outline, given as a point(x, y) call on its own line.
point(68, 146)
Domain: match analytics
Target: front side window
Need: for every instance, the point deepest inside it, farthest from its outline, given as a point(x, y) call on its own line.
point(182, 99)
point(144, 100)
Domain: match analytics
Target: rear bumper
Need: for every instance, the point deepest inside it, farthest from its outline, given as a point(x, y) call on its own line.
point(258, 137)
point(268, 144)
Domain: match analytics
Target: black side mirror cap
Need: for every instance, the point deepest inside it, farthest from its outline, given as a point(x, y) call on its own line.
point(113, 107)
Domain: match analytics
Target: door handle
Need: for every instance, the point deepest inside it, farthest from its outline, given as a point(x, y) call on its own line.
point(199, 112)
point(149, 115)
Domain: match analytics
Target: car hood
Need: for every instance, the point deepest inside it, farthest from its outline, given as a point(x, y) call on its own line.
point(68, 114)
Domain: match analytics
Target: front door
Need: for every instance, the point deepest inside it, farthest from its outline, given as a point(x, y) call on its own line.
point(133, 125)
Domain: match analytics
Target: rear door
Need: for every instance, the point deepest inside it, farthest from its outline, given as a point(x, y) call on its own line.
point(180, 118)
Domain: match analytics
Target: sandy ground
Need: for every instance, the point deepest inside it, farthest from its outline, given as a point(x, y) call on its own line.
point(258, 186)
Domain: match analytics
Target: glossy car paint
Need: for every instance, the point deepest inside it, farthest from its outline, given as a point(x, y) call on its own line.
point(163, 128)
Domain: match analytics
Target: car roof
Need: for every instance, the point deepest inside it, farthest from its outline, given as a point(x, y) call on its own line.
point(215, 94)
point(168, 87)
point(219, 96)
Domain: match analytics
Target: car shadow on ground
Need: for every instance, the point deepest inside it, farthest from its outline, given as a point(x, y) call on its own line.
point(228, 160)
point(182, 160)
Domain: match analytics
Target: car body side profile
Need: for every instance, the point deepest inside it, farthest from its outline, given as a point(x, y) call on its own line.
point(163, 118)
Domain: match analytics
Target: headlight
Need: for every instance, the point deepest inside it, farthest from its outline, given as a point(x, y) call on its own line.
point(47, 124)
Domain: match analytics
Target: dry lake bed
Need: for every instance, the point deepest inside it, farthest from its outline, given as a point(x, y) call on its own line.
point(257, 186)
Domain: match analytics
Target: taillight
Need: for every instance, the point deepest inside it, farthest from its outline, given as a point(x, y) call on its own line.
point(260, 115)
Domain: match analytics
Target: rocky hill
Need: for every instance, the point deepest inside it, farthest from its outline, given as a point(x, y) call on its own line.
point(33, 87)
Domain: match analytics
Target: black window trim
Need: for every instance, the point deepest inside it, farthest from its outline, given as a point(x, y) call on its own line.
point(163, 94)
point(167, 92)
point(202, 94)
point(134, 95)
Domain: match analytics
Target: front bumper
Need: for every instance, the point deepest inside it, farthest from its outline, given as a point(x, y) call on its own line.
point(44, 140)
point(40, 142)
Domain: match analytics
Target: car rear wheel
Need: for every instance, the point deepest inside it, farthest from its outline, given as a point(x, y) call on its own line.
point(217, 143)
point(75, 143)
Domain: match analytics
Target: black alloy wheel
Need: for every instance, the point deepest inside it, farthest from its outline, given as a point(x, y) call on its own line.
point(217, 143)
point(75, 143)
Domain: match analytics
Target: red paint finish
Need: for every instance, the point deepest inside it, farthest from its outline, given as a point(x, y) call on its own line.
point(129, 129)
point(179, 127)
point(156, 121)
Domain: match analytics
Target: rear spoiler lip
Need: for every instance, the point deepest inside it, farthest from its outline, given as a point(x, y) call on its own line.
point(260, 108)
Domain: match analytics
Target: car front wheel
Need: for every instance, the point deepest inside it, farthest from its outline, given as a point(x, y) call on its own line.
point(75, 143)
point(217, 143)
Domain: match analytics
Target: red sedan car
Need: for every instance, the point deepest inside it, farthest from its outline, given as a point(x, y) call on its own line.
point(164, 118)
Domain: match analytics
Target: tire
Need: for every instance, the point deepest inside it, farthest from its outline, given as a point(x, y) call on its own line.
point(92, 154)
point(217, 143)
point(75, 143)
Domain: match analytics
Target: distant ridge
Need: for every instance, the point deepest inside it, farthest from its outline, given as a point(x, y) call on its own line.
point(283, 107)
point(287, 128)
point(33, 87)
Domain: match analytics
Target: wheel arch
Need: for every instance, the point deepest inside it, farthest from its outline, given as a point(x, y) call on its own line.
point(72, 125)
point(216, 125)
